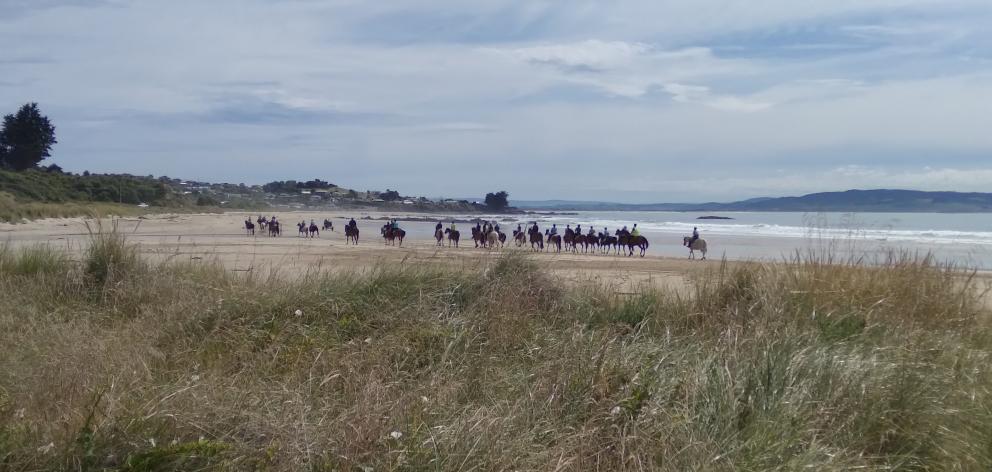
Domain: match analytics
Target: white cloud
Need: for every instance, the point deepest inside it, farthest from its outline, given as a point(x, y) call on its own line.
point(613, 96)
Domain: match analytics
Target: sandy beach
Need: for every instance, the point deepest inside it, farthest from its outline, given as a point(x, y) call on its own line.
point(221, 237)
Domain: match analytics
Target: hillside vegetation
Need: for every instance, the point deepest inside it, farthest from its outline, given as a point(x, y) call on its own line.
point(113, 362)
point(36, 193)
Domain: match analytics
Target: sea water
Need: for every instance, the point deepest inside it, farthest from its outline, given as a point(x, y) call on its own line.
point(964, 239)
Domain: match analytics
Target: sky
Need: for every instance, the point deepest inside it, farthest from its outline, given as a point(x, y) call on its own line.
point(627, 101)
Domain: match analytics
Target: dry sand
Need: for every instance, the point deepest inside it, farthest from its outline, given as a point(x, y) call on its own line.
point(221, 237)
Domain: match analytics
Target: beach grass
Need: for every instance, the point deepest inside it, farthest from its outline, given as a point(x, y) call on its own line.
point(114, 362)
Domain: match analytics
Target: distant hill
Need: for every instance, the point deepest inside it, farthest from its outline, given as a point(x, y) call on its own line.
point(881, 200)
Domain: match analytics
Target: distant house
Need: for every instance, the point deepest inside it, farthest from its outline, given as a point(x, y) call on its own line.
point(407, 202)
point(305, 192)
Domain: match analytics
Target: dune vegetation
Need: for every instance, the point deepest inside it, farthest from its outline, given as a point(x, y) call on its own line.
point(109, 361)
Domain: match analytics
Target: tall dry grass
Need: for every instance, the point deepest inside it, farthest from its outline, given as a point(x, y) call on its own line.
point(118, 363)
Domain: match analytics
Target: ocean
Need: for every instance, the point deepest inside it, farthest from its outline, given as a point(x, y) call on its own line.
point(961, 239)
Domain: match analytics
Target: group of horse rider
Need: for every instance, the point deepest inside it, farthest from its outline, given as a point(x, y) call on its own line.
point(486, 227)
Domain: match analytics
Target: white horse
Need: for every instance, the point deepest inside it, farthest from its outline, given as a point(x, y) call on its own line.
point(492, 239)
point(697, 245)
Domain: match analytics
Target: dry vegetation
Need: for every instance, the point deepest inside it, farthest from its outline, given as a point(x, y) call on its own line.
point(112, 362)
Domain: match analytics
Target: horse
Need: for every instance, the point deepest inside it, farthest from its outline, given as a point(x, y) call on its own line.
point(391, 235)
point(607, 242)
point(314, 230)
point(452, 236)
point(519, 237)
point(302, 226)
point(502, 238)
point(592, 241)
point(351, 234)
point(262, 222)
point(569, 238)
point(249, 228)
point(626, 239)
point(554, 240)
point(492, 239)
point(478, 237)
point(328, 225)
point(274, 229)
point(697, 245)
point(439, 236)
point(536, 238)
point(579, 240)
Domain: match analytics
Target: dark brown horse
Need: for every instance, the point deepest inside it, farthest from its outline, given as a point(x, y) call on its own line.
point(314, 230)
point(392, 235)
point(631, 242)
point(249, 228)
point(351, 234)
point(479, 237)
point(608, 243)
point(439, 236)
point(579, 240)
point(274, 229)
point(452, 236)
point(569, 238)
point(538, 240)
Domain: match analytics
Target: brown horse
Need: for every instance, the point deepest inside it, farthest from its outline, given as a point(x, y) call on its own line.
point(249, 228)
point(351, 234)
point(478, 237)
point(392, 235)
point(519, 237)
point(579, 240)
point(626, 239)
point(536, 239)
point(554, 240)
point(274, 229)
point(452, 236)
point(608, 243)
point(439, 236)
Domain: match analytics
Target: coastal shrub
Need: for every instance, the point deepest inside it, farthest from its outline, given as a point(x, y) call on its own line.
point(804, 364)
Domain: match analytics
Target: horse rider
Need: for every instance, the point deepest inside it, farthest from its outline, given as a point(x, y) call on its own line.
point(438, 227)
point(695, 236)
point(496, 227)
point(452, 226)
point(395, 225)
point(519, 229)
point(554, 229)
point(592, 232)
point(634, 232)
point(352, 223)
point(534, 229)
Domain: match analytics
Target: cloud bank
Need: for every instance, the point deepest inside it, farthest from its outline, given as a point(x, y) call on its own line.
point(627, 101)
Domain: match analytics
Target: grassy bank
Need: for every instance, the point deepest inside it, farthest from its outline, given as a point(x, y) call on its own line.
point(112, 362)
point(15, 211)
